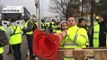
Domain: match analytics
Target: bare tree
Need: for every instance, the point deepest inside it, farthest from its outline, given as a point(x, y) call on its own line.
point(72, 7)
point(101, 6)
point(85, 7)
point(65, 7)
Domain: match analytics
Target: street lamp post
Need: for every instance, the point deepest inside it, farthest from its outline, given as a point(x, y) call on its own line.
point(39, 20)
point(37, 4)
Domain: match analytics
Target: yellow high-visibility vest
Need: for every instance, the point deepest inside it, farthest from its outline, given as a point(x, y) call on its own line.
point(96, 35)
point(43, 26)
point(16, 38)
point(54, 27)
point(31, 32)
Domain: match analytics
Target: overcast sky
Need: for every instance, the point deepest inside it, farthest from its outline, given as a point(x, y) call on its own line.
point(29, 4)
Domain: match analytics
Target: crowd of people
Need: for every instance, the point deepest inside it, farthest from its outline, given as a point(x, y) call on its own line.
point(78, 35)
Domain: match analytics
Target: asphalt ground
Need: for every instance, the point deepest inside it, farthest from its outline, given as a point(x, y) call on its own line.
point(24, 49)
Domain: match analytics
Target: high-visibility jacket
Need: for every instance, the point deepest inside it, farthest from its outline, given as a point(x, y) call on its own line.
point(76, 38)
point(1, 48)
point(26, 26)
point(96, 35)
point(15, 38)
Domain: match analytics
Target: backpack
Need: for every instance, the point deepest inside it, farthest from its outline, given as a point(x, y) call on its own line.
point(3, 38)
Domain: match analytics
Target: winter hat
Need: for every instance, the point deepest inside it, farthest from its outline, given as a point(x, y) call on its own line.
point(80, 20)
point(62, 23)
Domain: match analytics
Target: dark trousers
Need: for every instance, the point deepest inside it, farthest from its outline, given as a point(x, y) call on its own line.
point(30, 42)
point(17, 52)
point(1, 56)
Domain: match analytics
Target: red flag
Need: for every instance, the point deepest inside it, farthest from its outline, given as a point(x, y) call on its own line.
point(45, 45)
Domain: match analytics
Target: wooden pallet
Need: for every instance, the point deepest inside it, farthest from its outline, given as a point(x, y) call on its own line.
point(80, 54)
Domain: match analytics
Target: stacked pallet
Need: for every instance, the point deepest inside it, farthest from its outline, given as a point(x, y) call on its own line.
point(81, 54)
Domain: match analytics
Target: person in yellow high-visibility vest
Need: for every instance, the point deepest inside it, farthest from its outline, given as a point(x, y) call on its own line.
point(15, 39)
point(83, 24)
point(76, 37)
point(99, 33)
point(29, 27)
point(53, 25)
point(43, 25)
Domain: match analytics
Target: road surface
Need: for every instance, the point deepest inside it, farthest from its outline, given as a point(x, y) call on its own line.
point(24, 48)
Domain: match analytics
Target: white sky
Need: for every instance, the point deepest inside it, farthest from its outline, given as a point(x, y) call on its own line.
point(30, 5)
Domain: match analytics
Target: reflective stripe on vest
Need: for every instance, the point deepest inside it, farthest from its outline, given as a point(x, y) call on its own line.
point(87, 42)
point(69, 44)
point(73, 43)
point(31, 32)
point(1, 48)
point(17, 37)
point(96, 35)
